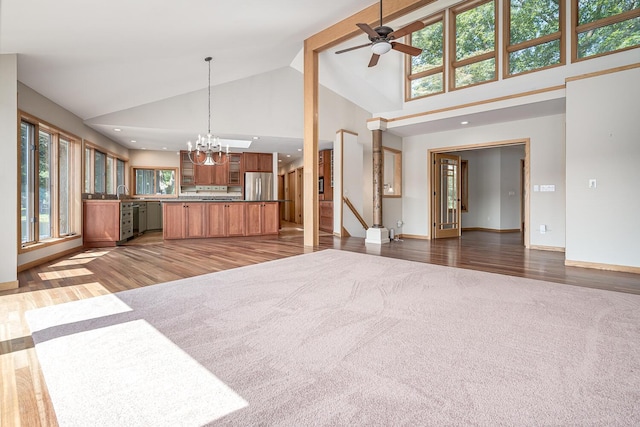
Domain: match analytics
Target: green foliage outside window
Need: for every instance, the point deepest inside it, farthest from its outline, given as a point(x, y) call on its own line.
point(475, 35)
point(430, 39)
point(594, 10)
point(596, 39)
point(475, 31)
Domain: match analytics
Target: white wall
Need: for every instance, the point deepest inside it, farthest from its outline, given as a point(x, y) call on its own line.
point(603, 143)
point(352, 183)
point(43, 108)
point(8, 171)
point(547, 167)
point(154, 158)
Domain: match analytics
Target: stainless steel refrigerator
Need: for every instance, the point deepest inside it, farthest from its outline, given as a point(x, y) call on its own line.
point(258, 186)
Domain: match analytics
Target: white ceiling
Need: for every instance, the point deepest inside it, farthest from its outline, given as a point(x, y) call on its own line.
point(101, 58)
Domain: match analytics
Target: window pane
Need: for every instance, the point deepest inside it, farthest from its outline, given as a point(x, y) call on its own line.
point(607, 39)
point(44, 185)
point(26, 182)
point(593, 10)
point(64, 165)
point(475, 31)
point(99, 172)
point(144, 181)
point(119, 173)
point(87, 170)
point(429, 39)
point(166, 180)
point(475, 73)
point(534, 57)
point(427, 85)
point(110, 171)
point(532, 19)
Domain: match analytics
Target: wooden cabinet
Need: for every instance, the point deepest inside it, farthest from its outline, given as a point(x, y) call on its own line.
point(212, 175)
point(106, 222)
point(326, 215)
point(262, 218)
point(325, 175)
point(225, 219)
point(257, 162)
point(184, 220)
point(236, 177)
point(187, 177)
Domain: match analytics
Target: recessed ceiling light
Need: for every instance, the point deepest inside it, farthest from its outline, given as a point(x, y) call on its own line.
point(464, 123)
point(143, 148)
point(299, 149)
point(164, 148)
point(280, 160)
point(117, 130)
point(288, 155)
point(256, 137)
point(133, 141)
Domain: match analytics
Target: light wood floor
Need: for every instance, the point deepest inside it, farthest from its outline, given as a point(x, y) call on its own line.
point(148, 260)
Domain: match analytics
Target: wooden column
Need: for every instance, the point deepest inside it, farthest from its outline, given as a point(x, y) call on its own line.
point(378, 175)
point(310, 155)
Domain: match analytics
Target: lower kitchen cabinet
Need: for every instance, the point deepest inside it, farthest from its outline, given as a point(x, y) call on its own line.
point(262, 218)
point(225, 219)
point(184, 220)
point(106, 222)
point(326, 215)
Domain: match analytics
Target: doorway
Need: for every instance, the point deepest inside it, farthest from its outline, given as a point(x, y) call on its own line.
point(445, 213)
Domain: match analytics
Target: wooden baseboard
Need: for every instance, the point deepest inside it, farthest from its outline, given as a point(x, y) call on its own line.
point(6, 286)
point(600, 266)
point(412, 236)
point(39, 261)
point(492, 230)
point(547, 248)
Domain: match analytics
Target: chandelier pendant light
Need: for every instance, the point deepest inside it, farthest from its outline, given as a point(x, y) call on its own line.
point(208, 149)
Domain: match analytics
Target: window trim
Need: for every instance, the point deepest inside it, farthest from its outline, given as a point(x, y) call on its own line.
point(155, 169)
point(451, 38)
point(509, 48)
point(610, 20)
point(430, 20)
point(75, 213)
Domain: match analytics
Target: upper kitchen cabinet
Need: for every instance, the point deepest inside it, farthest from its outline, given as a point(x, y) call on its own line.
point(212, 175)
point(186, 170)
point(257, 162)
point(235, 169)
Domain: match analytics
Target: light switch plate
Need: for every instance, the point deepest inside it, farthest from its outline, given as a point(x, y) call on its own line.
point(593, 183)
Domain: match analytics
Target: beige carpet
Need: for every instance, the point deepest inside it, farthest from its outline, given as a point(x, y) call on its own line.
point(339, 338)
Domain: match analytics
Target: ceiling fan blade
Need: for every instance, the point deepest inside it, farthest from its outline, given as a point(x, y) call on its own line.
point(409, 50)
point(370, 31)
point(408, 29)
point(353, 48)
point(374, 60)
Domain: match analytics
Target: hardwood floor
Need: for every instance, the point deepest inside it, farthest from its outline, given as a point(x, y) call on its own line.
point(148, 260)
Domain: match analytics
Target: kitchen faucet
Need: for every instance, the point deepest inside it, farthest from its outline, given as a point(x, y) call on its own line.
point(125, 190)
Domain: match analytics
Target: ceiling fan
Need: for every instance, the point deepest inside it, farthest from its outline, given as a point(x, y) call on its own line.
point(382, 39)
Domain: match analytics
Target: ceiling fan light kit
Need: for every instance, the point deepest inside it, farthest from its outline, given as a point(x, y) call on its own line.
point(382, 39)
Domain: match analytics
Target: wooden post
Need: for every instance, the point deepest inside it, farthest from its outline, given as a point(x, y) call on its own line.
point(378, 175)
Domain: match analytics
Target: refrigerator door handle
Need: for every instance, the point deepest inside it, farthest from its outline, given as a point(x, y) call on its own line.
point(259, 188)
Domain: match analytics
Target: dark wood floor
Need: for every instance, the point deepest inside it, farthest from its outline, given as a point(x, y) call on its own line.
point(149, 260)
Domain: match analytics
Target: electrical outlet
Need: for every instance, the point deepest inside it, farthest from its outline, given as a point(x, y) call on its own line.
point(593, 183)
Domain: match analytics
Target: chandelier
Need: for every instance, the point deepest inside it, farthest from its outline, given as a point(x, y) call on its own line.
point(208, 149)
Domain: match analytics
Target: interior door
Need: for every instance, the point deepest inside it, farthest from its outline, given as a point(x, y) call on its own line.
point(446, 196)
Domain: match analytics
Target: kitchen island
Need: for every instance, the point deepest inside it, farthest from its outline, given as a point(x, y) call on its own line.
point(200, 218)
